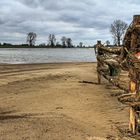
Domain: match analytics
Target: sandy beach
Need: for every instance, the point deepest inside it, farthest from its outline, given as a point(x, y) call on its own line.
point(59, 102)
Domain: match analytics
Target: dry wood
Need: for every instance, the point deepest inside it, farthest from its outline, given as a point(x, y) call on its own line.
point(127, 60)
point(114, 50)
point(114, 81)
point(132, 122)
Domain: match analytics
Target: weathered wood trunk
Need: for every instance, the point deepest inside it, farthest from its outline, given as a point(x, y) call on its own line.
point(128, 61)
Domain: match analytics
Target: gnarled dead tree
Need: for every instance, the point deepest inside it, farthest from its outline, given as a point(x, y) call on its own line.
point(117, 29)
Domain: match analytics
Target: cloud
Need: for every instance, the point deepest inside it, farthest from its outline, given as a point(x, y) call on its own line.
point(83, 21)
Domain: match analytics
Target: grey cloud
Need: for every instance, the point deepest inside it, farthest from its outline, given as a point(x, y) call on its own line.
point(55, 5)
point(85, 20)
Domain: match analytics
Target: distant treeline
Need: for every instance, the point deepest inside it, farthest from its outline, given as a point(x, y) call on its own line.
point(52, 43)
point(8, 45)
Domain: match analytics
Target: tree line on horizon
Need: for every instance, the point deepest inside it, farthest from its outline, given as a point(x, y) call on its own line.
point(117, 30)
point(65, 42)
point(52, 42)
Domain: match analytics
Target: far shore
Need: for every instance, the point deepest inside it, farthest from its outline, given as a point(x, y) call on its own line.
point(49, 47)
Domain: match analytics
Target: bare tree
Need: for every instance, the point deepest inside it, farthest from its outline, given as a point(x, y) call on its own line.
point(52, 40)
point(107, 42)
point(31, 38)
point(81, 44)
point(64, 40)
point(69, 42)
point(117, 30)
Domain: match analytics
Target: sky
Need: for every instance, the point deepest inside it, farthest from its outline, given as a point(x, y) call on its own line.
point(81, 20)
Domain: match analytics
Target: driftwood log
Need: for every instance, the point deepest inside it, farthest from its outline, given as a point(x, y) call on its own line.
point(126, 57)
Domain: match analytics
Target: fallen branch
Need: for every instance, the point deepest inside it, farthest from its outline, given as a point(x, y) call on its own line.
point(113, 81)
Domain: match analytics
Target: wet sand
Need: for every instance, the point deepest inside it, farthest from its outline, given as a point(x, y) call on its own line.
point(59, 102)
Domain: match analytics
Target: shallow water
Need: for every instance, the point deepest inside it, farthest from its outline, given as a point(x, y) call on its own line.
point(46, 55)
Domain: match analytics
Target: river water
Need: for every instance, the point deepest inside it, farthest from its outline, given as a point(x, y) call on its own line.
point(46, 55)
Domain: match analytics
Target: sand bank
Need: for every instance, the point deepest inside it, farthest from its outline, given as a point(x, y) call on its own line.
point(58, 102)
